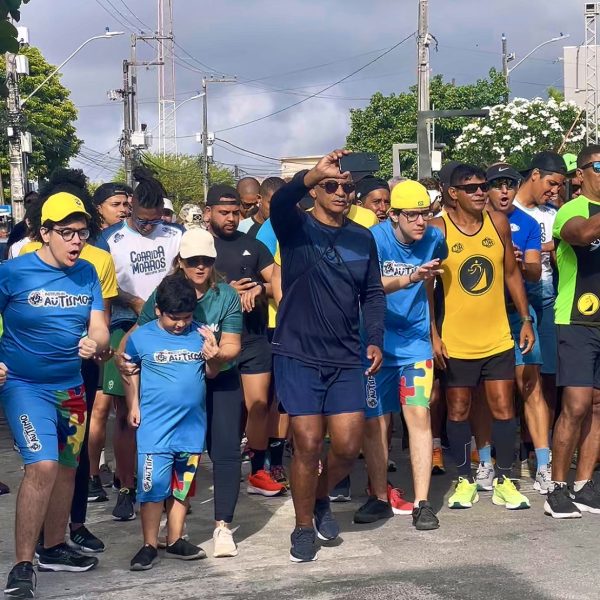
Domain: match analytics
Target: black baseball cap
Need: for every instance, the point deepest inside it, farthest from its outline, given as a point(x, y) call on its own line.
point(107, 190)
point(369, 184)
point(502, 171)
point(551, 162)
point(445, 173)
point(222, 194)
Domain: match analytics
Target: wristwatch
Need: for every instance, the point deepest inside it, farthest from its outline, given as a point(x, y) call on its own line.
point(526, 319)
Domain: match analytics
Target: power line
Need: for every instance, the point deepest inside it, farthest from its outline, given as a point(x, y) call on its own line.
point(248, 151)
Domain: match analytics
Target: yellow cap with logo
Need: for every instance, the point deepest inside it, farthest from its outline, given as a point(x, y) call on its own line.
point(61, 205)
point(410, 195)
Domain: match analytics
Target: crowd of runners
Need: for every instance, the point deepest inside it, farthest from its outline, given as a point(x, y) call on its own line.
point(299, 316)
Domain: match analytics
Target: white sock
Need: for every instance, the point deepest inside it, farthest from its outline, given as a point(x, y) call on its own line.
point(579, 484)
point(437, 443)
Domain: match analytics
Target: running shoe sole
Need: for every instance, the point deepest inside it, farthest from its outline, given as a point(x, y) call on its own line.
point(321, 536)
point(509, 506)
point(19, 593)
point(259, 491)
point(586, 508)
point(294, 559)
point(537, 486)
point(132, 518)
point(548, 511)
point(83, 549)
point(401, 511)
point(340, 498)
point(464, 504)
point(201, 554)
point(139, 567)
point(55, 568)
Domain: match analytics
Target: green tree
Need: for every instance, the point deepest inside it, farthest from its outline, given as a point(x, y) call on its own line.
point(9, 9)
point(49, 116)
point(392, 119)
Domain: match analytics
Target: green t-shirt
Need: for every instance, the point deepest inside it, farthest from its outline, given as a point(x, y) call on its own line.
point(219, 308)
point(578, 300)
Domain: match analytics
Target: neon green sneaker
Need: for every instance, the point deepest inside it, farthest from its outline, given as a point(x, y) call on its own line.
point(506, 494)
point(465, 494)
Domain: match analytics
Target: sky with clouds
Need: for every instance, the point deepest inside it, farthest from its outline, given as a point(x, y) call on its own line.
point(281, 52)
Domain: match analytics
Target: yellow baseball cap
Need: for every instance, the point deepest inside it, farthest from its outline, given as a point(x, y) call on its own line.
point(61, 205)
point(410, 195)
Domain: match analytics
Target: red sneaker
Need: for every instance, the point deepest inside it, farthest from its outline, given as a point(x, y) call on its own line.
point(262, 483)
point(396, 499)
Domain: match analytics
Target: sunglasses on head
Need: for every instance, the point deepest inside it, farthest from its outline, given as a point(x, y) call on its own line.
point(196, 261)
point(471, 188)
point(497, 184)
point(595, 165)
point(331, 187)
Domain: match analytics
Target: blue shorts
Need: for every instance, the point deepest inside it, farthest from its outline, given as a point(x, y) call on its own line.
point(46, 424)
point(165, 474)
point(534, 356)
point(547, 333)
point(408, 385)
point(304, 389)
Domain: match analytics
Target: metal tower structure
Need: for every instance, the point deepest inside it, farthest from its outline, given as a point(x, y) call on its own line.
point(592, 110)
point(167, 125)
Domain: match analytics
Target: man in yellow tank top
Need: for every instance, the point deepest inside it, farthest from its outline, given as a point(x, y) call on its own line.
point(474, 342)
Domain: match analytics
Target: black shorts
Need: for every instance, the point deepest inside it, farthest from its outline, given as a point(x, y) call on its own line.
point(255, 356)
point(578, 356)
point(462, 372)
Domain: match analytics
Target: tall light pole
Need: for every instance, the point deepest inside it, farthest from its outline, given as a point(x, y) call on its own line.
point(423, 149)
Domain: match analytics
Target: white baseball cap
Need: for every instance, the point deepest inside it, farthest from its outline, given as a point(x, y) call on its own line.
point(197, 242)
point(168, 205)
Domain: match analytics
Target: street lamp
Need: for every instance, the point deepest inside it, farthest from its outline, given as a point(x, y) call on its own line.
point(105, 36)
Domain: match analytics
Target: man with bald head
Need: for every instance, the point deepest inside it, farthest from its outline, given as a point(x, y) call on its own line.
point(249, 190)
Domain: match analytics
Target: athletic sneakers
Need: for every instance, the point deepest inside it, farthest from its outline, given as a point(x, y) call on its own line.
point(280, 476)
point(559, 503)
point(325, 524)
point(526, 469)
point(125, 507)
point(507, 495)
point(263, 483)
point(437, 466)
point(184, 550)
point(106, 475)
point(83, 540)
point(21, 581)
point(223, 543)
point(96, 492)
point(304, 545)
point(587, 499)
point(162, 535)
point(399, 505)
point(543, 480)
point(465, 494)
point(341, 492)
point(373, 510)
point(474, 457)
point(144, 559)
point(63, 558)
point(484, 477)
point(423, 517)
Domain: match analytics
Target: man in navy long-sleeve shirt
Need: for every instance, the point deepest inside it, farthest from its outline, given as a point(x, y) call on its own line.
point(330, 275)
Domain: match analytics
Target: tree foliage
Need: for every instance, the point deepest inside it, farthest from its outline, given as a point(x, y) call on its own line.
point(392, 119)
point(9, 42)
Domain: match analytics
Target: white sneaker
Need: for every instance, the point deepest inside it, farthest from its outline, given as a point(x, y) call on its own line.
point(485, 476)
point(223, 543)
point(543, 480)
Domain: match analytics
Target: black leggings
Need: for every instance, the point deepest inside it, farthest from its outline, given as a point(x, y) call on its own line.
point(224, 403)
point(90, 373)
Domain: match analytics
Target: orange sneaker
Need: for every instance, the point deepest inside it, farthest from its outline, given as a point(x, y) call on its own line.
point(437, 466)
point(262, 483)
point(396, 499)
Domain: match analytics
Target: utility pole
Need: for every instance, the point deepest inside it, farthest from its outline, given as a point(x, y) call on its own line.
point(18, 175)
point(125, 148)
point(505, 58)
point(423, 149)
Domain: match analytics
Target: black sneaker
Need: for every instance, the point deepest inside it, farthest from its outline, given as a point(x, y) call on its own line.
point(62, 558)
point(124, 509)
point(184, 550)
point(423, 517)
point(21, 581)
point(144, 559)
point(587, 499)
point(559, 504)
point(116, 483)
point(304, 545)
point(341, 492)
point(325, 524)
point(373, 510)
point(106, 476)
point(83, 540)
point(96, 492)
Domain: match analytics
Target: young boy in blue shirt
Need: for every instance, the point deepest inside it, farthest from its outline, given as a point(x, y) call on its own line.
point(169, 413)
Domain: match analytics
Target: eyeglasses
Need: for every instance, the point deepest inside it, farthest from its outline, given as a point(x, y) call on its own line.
point(411, 216)
point(68, 234)
point(595, 165)
point(331, 187)
point(195, 261)
point(471, 188)
point(145, 222)
point(248, 205)
point(498, 184)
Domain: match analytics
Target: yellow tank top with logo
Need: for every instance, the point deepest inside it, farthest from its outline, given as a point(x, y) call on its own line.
point(474, 323)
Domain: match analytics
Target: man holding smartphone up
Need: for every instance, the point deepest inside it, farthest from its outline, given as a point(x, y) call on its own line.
point(330, 271)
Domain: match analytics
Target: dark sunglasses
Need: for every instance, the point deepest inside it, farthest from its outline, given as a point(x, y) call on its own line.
point(195, 261)
point(595, 165)
point(144, 222)
point(471, 188)
point(331, 187)
point(498, 184)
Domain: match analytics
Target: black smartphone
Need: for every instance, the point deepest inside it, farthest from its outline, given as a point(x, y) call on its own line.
point(359, 162)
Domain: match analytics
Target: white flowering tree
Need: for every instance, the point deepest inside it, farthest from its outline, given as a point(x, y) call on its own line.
point(516, 131)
